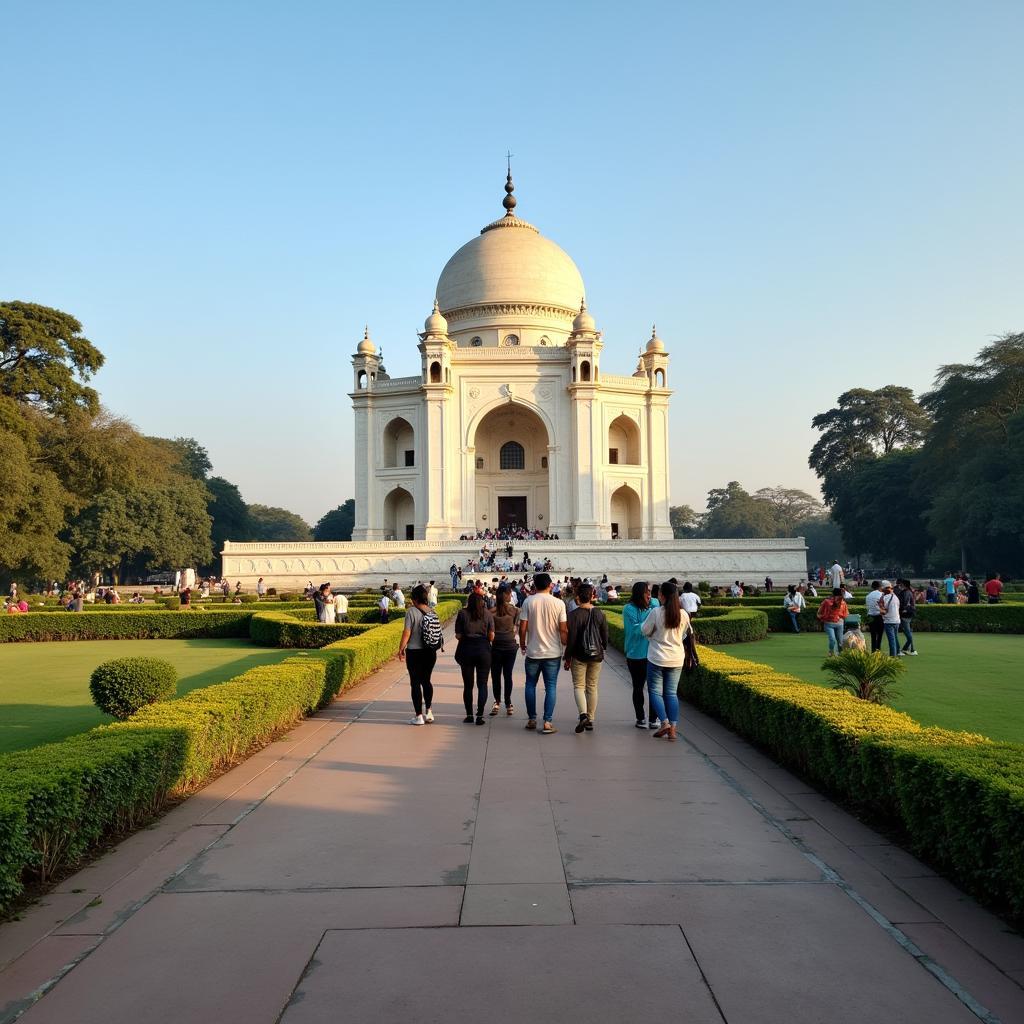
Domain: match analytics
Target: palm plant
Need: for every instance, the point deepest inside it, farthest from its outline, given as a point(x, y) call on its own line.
point(869, 675)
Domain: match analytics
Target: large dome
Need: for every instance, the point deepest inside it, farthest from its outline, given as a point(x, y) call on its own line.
point(510, 262)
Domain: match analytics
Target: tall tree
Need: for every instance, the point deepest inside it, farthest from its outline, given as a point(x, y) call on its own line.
point(34, 501)
point(45, 361)
point(338, 523)
point(684, 521)
point(863, 425)
point(733, 512)
point(228, 511)
point(132, 530)
point(267, 523)
point(791, 506)
point(191, 457)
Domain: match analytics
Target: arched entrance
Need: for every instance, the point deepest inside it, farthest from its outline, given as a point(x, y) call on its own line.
point(511, 472)
point(399, 515)
point(399, 448)
point(626, 514)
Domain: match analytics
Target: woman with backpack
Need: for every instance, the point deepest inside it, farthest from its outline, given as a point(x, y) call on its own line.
point(421, 639)
point(504, 648)
point(634, 612)
point(584, 653)
point(666, 628)
point(474, 631)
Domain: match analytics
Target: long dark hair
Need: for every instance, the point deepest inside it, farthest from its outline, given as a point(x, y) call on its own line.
point(476, 606)
point(639, 596)
point(670, 602)
point(503, 602)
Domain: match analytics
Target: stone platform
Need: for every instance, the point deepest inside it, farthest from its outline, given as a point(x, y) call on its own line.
point(351, 565)
point(364, 870)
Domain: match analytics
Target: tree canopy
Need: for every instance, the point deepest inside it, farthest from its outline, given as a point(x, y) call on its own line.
point(267, 523)
point(338, 523)
point(45, 361)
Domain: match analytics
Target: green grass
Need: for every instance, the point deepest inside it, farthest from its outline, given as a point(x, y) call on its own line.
point(44, 688)
point(959, 681)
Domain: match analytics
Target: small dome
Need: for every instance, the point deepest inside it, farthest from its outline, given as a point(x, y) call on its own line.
point(655, 344)
point(435, 323)
point(584, 321)
point(366, 347)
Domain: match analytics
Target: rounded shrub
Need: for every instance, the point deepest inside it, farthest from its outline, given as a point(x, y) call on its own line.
point(122, 686)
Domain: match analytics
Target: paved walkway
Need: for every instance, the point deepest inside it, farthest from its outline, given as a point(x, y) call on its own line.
point(364, 870)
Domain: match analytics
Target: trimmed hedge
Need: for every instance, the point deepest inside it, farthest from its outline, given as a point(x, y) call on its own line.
point(958, 798)
point(929, 618)
point(58, 801)
point(284, 629)
point(115, 625)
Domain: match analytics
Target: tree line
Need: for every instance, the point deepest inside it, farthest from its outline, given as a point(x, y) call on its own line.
point(936, 482)
point(84, 491)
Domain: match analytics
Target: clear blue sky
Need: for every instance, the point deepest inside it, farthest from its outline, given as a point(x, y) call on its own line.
point(804, 196)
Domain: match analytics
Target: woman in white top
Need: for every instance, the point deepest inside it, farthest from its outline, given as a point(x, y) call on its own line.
point(665, 628)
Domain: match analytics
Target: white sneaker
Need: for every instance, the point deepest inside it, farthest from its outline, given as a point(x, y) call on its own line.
point(417, 720)
point(428, 715)
point(654, 725)
point(913, 654)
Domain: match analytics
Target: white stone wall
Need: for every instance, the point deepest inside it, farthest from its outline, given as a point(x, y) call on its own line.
point(291, 566)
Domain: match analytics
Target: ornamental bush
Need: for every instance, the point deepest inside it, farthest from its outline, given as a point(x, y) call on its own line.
point(122, 686)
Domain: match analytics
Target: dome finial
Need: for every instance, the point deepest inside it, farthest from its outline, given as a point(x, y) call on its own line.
point(509, 202)
point(366, 347)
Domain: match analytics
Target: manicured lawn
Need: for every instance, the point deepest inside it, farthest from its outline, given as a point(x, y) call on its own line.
point(959, 681)
point(44, 688)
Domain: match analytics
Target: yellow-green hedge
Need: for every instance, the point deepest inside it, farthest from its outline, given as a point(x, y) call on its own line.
point(958, 798)
point(58, 801)
point(712, 626)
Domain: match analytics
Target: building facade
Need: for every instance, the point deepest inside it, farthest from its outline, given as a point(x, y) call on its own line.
point(511, 421)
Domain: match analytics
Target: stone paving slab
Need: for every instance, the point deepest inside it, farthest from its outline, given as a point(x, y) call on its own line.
point(379, 872)
point(775, 954)
point(603, 974)
point(222, 958)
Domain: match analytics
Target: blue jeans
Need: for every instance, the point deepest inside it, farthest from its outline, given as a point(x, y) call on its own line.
point(534, 668)
point(662, 686)
point(908, 633)
point(794, 619)
point(835, 636)
point(891, 633)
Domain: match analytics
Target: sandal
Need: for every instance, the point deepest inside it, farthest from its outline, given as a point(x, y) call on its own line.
point(496, 708)
point(510, 711)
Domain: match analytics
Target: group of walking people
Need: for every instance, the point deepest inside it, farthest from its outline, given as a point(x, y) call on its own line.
point(658, 640)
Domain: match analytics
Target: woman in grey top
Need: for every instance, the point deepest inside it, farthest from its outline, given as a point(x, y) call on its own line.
point(419, 660)
point(503, 649)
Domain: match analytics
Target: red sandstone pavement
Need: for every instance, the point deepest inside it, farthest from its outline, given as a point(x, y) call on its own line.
point(361, 869)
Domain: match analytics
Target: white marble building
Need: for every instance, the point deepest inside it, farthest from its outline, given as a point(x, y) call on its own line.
point(511, 420)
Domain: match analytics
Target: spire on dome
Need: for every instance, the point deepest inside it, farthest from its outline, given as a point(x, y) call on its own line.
point(509, 202)
point(366, 346)
point(584, 321)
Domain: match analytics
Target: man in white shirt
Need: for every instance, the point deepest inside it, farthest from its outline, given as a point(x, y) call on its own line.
point(688, 600)
point(340, 607)
point(875, 625)
point(543, 633)
point(398, 597)
point(432, 595)
point(794, 604)
point(889, 606)
point(384, 604)
point(835, 575)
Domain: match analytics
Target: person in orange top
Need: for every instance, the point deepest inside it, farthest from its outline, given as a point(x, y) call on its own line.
point(832, 614)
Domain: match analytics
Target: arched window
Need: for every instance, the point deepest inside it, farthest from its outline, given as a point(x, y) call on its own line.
point(435, 373)
point(584, 370)
point(362, 379)
point(511, 339)
point(512, 456)
point(659, 378)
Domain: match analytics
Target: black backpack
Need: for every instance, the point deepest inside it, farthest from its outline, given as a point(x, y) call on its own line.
point(588, 643)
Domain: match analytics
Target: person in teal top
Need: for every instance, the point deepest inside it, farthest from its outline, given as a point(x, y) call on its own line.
point(633, 615)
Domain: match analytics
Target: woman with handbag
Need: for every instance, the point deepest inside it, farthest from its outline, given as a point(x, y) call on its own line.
point(474, 631)
point(588, 640)
point(504, 648)
point(832, 614)
point(666, 628)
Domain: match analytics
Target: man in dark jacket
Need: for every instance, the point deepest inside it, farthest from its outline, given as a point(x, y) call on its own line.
point(908, 606)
